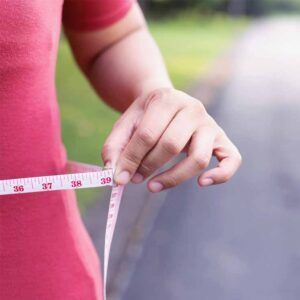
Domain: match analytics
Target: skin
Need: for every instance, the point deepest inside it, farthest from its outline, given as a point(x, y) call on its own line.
point(125, 66)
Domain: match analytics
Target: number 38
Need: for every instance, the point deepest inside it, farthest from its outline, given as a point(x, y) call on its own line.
point(76, 183)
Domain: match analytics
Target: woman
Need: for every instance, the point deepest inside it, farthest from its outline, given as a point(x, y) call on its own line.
point(45, 252)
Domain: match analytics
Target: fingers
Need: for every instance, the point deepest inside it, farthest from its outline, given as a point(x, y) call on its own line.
point(171, 143)
point(157, 128)
point(156, 119)
point(198, 158)
point(229, 162)
point(119, 137)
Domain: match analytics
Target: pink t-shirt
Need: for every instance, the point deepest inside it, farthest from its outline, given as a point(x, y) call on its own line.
point(45, 252)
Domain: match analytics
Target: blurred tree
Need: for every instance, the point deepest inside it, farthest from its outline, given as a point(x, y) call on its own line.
point(237, 7)
point(282, 5)
point(234, 7)
point(144, 4)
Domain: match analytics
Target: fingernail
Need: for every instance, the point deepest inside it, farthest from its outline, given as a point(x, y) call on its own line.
point(155, 187)
point(207, 182)
point(137, 178)
point(123, 177)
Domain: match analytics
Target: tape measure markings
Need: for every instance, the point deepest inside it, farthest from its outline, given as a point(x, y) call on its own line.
point(113, 210)
point(89, 177)
point(57, 182)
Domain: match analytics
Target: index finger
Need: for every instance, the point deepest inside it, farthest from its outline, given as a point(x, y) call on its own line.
point(155, 121)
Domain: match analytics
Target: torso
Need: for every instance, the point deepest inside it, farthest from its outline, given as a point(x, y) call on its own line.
point(45, 252)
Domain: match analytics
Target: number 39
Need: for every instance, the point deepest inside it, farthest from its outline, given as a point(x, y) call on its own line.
point(105, 180)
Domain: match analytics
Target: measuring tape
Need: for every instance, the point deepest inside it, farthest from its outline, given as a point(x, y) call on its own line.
point(81, 176)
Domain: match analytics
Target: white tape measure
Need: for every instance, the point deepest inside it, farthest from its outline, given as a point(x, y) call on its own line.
point(81, 176)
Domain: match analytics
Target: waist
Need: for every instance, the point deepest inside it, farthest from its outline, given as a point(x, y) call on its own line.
point(30, 140)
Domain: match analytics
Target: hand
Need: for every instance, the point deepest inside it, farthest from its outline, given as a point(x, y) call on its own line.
point(155, 129)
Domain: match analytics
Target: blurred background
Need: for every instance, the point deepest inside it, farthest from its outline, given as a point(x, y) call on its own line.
point(191, 35)
point(190, 39)
point(238, 241)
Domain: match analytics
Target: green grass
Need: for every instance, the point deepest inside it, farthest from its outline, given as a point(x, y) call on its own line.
point(189, 45)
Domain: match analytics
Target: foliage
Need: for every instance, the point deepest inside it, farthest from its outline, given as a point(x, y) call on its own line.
point(252, 7)
point(281, 5)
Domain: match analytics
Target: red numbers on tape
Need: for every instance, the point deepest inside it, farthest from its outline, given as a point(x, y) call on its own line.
point(76, 183)
point(105, 180)
point(47, 186)
point(57, 182)
point(18, 188)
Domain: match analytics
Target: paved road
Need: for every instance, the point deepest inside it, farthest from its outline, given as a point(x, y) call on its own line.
point(239, 241)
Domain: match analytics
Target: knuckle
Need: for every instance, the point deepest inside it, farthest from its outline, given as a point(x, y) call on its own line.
point(146, 168)
point(202, 160)
point(236, 155)
point(153, 97)
point(117, 124)
point(146, 137)
point(171, 147)
point(161, 93)
point(131, 158)
point(225, 177)
point(198, 108)
point(170, 181)
point(157, 95)
point(239, 158)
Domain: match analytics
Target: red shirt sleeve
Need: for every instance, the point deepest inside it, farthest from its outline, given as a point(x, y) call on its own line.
point(93, 14)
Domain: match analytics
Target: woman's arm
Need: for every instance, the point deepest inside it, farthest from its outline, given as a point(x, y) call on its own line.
point(122, 61)
point(126, 68)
